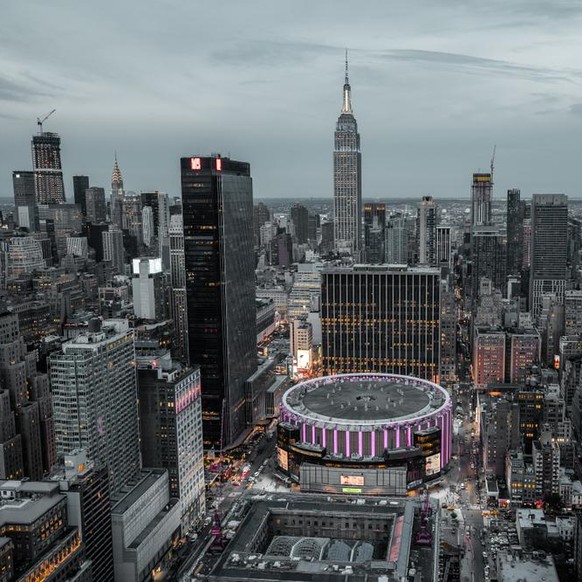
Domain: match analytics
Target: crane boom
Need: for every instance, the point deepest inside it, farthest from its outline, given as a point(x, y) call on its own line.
point(40, 121)
point(492, 166)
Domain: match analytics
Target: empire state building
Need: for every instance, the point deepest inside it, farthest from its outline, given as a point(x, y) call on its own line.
point(347, 179)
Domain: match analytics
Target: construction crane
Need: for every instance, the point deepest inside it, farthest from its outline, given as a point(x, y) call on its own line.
point(40, 121)
point(492, 165)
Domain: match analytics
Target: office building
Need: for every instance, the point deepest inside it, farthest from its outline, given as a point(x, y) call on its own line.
point(396, 247)
point(347, 178)
point(37, 540)
point(78, 246)
point(524, 351)
point(573, 312)
point(95, 207)
point(426, 231)
point(86, 487)
point(170, 412)
point(66, 220)
point(148, 285)
point(131, 218)
point(46, 165)
point(300, 218)
point(444, 252)
point(20, 255)
point(261, 215)
point(146, 523)
point(93, 383)
point(305, 294)
point(381, 319)
point(217, 203)
point(515, 231)
point(374, 232)
point(178, 294)
point(25, 200)
point(488, 255)
point(80, 184)
point(301, 336)
point(113, 248)
point(481, 191)
point(549, 248)
point(117, 195)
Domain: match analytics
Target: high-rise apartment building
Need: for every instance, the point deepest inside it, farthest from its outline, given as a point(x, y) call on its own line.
point(171, 429)
point(178, 294)
point(93, 382)
point(549, 248)
point(515, 219)
point(524, 351)
point(381, 319)
point(444, 252)
point(46, 165)
point(347, 178)
point(217, 206)
point(488, 357)
point(396, 248)
point(481, 190)
point(426, 231)
point(25, 200)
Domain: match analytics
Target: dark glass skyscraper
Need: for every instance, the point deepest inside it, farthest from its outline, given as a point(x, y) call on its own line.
point(347, 178)
point(217, 202)
point(25, 200)
point(80, 184)
point(515, 218)
point(46, 164)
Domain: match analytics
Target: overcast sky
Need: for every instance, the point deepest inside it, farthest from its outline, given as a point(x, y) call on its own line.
point(434, 86)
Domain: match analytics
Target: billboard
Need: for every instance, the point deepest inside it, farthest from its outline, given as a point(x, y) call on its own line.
point(352, 480)
point(433, 464)
point(283, 459)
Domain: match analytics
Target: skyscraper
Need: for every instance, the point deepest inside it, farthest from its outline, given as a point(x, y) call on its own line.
point(515, 219)
point(178, 294)
point(481, 190)
point(381, 319)
point(426, 231)
point(46, 164)
point(347, 178)
point(488, 253)
point(116, 195)
point(95, 207)
point(94, 389)
point(300, 218)
point(148, 286)
point(113, 247)
point(549, 248)
point(25, 200)
point(80, 184)
point(396, 239)
point(374, 226)
point(217, 202)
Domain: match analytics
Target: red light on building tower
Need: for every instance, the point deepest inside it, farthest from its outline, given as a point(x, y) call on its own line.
point(218, 164)
point(195, 164)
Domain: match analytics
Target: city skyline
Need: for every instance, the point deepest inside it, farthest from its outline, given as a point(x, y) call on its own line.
point(504, 74)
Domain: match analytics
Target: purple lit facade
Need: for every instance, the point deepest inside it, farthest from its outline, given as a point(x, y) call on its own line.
point(368, 439)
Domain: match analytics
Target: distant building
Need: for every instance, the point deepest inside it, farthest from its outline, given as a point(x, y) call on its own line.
point(148, 287)
point(549, 217)
point(300, 218)
point(524, 351)
point(80, 184)
point(515, 232)
point(481, 190)
point(178, 293)
point(488, 357)
point(46, 164)
point(25, 200)
point(301, 333)
point(113, 248)
point(95, 207)
point(347, 178)
point(426, 231)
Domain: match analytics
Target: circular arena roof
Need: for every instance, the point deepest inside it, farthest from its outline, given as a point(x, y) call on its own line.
point(365, 399)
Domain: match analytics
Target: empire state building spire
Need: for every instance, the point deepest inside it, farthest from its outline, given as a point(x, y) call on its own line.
point(347, 103)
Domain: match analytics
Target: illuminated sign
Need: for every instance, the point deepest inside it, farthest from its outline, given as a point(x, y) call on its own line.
point(218, 165)
point(195, 164)
point(433, 464)
point(557, 361)
point(283, 459)
point(352, 480)
point(351, 490)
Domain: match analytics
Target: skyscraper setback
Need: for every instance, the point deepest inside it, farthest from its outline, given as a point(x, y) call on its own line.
point(347, 178)
point(217, 207)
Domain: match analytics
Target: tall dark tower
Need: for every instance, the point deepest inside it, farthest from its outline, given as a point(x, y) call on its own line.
point(80, 184)
point(347, 178)
point(217, 202)
point(46, 164)
point(515, 218)
point(25, 200)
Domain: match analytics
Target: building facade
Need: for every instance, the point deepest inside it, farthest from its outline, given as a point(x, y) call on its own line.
point(47, 168)
point(217, 206)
